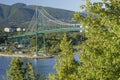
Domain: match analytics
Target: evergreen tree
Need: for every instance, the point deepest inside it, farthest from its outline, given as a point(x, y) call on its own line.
point(101, 52)
point(30, 71)
point(65, 67)
point(19, 71)
point(16, 71)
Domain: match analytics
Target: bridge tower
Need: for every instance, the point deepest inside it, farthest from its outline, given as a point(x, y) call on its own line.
point(37, 32)
point(43, 34)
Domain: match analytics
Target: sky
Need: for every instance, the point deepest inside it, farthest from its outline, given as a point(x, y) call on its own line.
point(73, 5)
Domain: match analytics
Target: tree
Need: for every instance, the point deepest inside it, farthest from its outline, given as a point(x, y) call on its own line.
point(65, 67)
point(30, 71)
point(19, 71)
point(101, 52)
point(16, 71)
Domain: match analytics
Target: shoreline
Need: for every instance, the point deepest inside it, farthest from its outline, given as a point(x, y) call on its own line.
point(25, 56)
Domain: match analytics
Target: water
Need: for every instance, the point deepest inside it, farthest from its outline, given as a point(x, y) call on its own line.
point(41, 66)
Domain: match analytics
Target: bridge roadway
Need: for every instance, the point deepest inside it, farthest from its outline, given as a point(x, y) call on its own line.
point(48, 31)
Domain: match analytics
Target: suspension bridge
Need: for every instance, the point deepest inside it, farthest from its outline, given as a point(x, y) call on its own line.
point(43, 23)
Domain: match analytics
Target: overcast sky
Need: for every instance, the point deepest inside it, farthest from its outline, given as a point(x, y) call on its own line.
point(63, 4)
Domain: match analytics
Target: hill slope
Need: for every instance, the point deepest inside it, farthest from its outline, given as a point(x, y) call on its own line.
point(19, 14)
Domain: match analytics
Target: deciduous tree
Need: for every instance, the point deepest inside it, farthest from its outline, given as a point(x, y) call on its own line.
point(101, 52)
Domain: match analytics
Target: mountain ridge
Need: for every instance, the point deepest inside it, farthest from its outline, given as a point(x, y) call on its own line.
point(20, 13)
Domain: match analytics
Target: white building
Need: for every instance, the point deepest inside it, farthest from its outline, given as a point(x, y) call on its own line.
point(9, 29)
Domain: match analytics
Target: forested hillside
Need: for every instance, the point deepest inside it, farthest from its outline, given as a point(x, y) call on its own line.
point(20, 14)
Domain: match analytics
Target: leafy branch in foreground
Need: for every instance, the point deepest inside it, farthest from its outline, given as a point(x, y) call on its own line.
point(101, 52)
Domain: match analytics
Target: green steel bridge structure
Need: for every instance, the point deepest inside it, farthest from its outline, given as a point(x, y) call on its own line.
point(43, 23)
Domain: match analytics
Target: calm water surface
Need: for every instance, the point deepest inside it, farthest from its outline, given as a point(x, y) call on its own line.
point(41, 66)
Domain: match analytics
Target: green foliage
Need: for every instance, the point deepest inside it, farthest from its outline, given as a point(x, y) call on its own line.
point(101, 52)
point(66, 67)
point(53, 41)
point(30, 71)
point(19, 71)
point(16, 71)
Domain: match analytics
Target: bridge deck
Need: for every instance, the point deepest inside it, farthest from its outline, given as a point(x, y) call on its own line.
point(47, 31)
